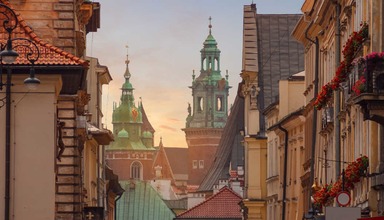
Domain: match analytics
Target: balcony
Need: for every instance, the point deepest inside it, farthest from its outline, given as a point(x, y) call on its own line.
point(326, 121)
point(366, 88)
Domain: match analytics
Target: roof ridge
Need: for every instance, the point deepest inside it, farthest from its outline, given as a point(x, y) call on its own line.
point(223, 189)
point(33, 36)
point(162, 150)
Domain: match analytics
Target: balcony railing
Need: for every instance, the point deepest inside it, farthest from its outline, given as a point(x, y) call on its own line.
point(367, 77)
point(365, 87)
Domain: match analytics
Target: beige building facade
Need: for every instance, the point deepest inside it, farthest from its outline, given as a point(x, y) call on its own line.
point(269, 54)
point(285, 132)
point(343, 122)
point(56, 167)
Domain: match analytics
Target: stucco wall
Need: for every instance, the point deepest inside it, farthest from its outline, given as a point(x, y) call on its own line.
point(33, 144)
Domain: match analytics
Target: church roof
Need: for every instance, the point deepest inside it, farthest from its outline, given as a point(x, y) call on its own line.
point(161, 159)
point(123, 134)
point(178, 158)
point(146, 124)
point(210, 41)
point(230, 150)
point(141, 202)
point(222, 205)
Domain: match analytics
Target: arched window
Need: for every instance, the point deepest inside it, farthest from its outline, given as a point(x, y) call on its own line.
point(200, 101)
point(219, 103)
point(136, 170)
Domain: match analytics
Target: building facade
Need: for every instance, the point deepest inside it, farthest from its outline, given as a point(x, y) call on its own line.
point(52, 133)
point(269, 54)
point(285, 132)
point(343, 100)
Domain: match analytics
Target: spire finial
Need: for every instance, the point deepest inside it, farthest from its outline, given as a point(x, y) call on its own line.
point(127, 74)
point(127, 60)
point(210, 25)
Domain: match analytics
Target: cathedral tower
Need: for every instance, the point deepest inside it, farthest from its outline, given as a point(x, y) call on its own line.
point(208, 114)
point(131, 154)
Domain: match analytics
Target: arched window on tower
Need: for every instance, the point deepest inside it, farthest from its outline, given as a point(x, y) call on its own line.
point(203, 64)
point(209, 64)
point(136, 170)
point(216, 64)
point(200, 101)
point(219, 103)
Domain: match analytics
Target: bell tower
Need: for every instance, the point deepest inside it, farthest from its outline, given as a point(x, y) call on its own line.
point(131, 154)
point(208, 114)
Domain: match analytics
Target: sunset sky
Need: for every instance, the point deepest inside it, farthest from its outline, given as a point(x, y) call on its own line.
point(165, 38)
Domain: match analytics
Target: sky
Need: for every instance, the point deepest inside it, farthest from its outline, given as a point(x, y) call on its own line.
point(164, 39)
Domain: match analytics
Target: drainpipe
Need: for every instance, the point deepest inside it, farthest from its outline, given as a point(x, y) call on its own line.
point(337, 93)
point(314, 124)
point(7, 145)
point(285, 170)
point(98, 146)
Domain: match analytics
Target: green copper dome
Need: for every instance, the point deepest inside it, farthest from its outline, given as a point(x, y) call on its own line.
point(123, 134)
point(147, 134)
point(127, 85)
point(210, 41)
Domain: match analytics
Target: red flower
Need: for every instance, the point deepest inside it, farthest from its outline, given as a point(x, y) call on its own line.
point(359, 86)
point(351, 47)
point(352, 175)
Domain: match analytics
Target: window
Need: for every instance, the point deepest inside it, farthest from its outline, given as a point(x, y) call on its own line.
point(219, 103)
point(200, 101)
point(359, 15)
point(201, 164)
point(136, 170)
point(194, 164)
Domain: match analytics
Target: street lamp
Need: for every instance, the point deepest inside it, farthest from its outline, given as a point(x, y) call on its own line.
point(8, 55)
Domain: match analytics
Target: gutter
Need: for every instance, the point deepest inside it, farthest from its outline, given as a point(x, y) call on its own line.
point(337, 93)
point(314, 124)
point(285, 169)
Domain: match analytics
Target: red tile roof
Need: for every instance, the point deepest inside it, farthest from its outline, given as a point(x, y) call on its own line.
point(161, 159)
point(224, 204)
point(178, 158)
point(49, 54)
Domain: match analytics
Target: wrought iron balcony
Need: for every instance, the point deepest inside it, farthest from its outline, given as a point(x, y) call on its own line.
point(366, 88)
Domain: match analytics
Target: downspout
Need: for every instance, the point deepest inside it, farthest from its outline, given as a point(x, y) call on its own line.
point(314, 124)
point(285, 170)
point(7, 145)
point(115, 214)
point(98, 146)
point(337, 93)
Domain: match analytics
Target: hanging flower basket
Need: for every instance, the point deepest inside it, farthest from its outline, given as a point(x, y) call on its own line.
point(350, 50)
point(359, 86)
point(352, 175)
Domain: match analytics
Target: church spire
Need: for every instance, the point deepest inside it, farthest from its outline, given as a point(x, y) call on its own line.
point(127, 74)
point(210, 25)
point(127, 89)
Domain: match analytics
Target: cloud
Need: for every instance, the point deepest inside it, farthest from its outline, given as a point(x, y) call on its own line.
point(166, 127)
